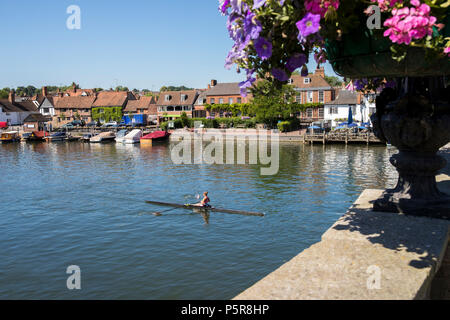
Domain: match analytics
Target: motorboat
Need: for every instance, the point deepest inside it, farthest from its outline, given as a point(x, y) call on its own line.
point(56, 137)
point(11, 136)
point(157, 136)
point(133, 137)
point(104, 137)
point(86, 137)
point(120, 136)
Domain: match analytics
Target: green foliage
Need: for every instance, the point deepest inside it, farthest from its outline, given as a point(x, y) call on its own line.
point(290, 125)
point(4, 93)
point(121, 88)
point(184, 120)
point(334, 81)
point(107, 114)
point(173, 88)
point(236, 109)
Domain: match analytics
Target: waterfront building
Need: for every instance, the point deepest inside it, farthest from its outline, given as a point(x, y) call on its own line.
point(171, 104)
point(337, 111)
point(313, 89)
point(143, 106)
point(110, 105)
point(36, 122)
point(13, 112)
point(45, 103)
point(68, 109)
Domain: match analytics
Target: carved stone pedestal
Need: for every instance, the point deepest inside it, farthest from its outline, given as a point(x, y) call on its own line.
point(416, 120)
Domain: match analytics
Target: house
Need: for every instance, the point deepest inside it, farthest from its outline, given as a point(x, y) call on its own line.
point(143, 106)
point(37, 122)
point(337, 111)
point(75, 92)
point(110, 105)
point(14, 113)
point(200, 105)
point(172, 104)
point(313, 89)
point(68, 109)
point(45, 103)
point(224, 93)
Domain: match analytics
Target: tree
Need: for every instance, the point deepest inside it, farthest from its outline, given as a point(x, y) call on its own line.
point(4, 93)
point(334, 81)
point(173, 88)
point(121, 88)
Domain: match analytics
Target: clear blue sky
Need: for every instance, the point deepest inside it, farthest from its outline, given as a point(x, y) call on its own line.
point(136, 43)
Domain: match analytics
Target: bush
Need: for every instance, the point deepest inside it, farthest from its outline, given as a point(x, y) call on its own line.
point(289, 125)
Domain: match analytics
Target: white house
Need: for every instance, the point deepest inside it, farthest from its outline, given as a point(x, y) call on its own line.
point(337, 111)
point(14, 113)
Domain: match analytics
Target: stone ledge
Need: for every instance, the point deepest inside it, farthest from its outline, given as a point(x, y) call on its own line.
point(408, 252)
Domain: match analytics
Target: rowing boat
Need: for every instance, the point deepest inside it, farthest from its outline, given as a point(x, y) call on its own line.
point(212, 209)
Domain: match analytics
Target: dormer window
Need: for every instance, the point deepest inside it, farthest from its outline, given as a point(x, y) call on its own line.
point(184, 97)
point(290, 81)
point(307, 80)
point(168, 97)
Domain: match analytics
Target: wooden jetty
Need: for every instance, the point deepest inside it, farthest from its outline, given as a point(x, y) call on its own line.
point(342, 137)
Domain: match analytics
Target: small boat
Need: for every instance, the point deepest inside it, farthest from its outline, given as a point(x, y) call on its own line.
point(211, 209)
point(56, 137)
point(133, 137)
point(35, 136)
point(87, 137)
point(120, 136)
point(103, 137)
point(71, 138)
point(157, 136)
point(11, 136)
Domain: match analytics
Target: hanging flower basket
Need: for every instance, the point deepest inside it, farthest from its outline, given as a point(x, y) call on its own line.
point(366, 55)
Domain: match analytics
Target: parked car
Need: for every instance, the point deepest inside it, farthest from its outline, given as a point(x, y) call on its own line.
point(110, 125)
point(68, 126)
point(92, 124)
point(78, 123)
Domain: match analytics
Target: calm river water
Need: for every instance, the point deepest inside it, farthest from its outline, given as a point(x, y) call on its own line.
point(80, 204)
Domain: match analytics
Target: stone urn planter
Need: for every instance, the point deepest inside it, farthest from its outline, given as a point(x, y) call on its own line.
point(414, 117)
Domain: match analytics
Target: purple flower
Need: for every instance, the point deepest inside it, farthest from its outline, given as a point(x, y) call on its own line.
point(244, 85)
point(224, 6)
point(310, 24)
point(295, 62)
point(304, 72)
point(280, 74)
point(258, 4)
point(263, 48)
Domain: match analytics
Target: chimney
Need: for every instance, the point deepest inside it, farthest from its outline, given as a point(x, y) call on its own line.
point(320, 71)
point(12, 96)
point(209, 86)
point(44, 91)
point(213, 83)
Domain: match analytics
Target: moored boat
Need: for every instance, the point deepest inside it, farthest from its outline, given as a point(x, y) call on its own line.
point(103, 137)
point(37, 136)
point(120, 136)
point(56, 137)
point(133, 137)
point(87, 137)
point(157, 136)
point(11, 136)
point(71, 138)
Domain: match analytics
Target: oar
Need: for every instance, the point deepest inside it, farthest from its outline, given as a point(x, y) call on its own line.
point(159, 213)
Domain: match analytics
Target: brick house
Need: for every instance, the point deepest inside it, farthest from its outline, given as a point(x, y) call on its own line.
point(312, 89)
point(13, 112)
point(68, 109)
point(172, 104)
point(36, 122)
point(144, 105)
point(110, 103)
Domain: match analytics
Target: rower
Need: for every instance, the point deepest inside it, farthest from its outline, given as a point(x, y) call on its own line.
point(205, 202)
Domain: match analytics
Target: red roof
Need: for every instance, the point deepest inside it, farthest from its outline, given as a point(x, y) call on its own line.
point(3, 124)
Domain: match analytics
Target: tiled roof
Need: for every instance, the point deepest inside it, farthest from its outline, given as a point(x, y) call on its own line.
point(23, 106)
point(142, 103)
point(224, 89)
point(175, 98)
point(346, 97)
point(37, 117)
point(112, 99)
point(77, 102)
point(316, 82)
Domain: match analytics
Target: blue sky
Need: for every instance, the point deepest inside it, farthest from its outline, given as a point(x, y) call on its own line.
point(136, 43)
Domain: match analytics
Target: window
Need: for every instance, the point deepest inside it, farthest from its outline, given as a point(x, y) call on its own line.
point(321, 97)
point(309, 113)
point(239, 100)
point(307, 80)
point(298, 98)
point(290, 81)
point(230, 100)
point(178, 108)
point(321, 113)
point(168, 97)
point(334, 110)
point(184, 97)
point(310, 96)
point(221, 101)
point(212, 101)
point(170, 108)
point(200, 101)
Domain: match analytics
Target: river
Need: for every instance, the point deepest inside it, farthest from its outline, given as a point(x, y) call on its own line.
point(80, 204)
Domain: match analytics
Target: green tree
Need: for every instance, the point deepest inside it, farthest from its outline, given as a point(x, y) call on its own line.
point(334, 81)
point(4, 93)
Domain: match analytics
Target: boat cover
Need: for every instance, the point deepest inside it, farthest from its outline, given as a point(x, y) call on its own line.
point(3, 125)
point(156, 135)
